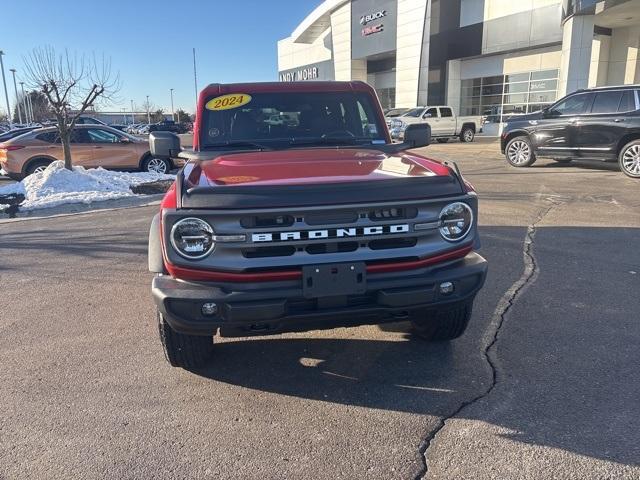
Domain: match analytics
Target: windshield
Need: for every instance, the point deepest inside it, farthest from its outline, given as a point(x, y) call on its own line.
point(414, 112)
point(284, 120)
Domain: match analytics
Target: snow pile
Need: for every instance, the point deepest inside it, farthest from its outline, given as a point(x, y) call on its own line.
point(57, 186)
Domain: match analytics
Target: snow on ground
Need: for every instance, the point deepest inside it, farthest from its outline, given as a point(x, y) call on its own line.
point(57, 186)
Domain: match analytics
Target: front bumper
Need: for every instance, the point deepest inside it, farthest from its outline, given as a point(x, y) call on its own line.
point(274, 307)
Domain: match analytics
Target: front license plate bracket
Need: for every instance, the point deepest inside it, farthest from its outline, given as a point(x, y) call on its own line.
point(334, 279)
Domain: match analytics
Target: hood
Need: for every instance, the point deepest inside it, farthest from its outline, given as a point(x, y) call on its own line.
point(310, 166)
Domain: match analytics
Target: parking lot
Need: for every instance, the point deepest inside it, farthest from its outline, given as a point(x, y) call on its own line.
point(544, 383)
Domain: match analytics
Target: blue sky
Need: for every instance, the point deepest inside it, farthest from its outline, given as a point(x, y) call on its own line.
point(150, 41)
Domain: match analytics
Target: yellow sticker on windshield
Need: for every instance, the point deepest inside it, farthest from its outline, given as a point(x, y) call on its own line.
point(229, 101)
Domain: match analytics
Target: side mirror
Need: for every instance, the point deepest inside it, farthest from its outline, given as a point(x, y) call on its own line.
point(124, 140)
point(426, 115)
point(418, 135)
point(164, 144)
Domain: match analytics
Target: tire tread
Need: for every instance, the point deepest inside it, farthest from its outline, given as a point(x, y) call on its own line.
point(181, 350)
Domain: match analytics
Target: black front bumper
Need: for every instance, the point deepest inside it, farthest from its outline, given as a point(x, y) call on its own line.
point(263, 308)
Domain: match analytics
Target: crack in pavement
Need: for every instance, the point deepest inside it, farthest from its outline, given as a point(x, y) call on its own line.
point(507, 301)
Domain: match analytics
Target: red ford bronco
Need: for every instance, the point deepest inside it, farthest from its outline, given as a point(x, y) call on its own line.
point(295, 211)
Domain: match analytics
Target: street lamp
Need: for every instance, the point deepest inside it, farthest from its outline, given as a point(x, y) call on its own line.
point(133, 115)
point(6, 95)
point(30, 105)
point(148, 114)
point(24, 103)
point(173, 115)
point(15, 88)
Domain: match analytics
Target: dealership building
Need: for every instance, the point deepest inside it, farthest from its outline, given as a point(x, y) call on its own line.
point(482, 57)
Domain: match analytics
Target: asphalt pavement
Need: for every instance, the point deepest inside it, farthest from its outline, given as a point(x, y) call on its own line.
point(544, 384)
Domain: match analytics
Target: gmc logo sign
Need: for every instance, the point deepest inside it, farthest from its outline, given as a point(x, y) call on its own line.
point(352, 232)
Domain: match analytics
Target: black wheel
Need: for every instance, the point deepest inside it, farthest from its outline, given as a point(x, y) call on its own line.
point(445, 324)
point(37, 166)
point(629, 159)
point(184, 351)
point(442, 140)
point(519, 152)
point(467, 135)
point(155, 165)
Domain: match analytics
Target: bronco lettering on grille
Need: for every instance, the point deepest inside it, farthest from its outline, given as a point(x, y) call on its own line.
point(349, 232)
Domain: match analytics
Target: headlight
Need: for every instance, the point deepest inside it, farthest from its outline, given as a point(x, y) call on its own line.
point(192, 238)
point(455, 221)
point(397, 124)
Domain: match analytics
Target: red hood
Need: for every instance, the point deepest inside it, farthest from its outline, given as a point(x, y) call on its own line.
point(299, 166)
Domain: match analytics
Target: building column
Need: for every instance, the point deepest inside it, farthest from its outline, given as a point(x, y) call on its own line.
point(454, 85)
point(575, 60)
point(411, 24)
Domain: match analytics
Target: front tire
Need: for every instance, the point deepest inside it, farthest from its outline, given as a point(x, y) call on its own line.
point(519, 152)
point(181, 350)
point(37, 166)
point(629, 159)
point(442, 325)
point(155, 165)
point(467, 135)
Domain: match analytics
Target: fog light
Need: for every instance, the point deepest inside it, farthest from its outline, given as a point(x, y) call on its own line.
point(209, 308)
point(446, 288)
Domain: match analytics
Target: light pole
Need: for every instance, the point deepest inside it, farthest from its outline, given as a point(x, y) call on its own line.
point(133, 115)
point(6, 95)
point(195, 77)
point(24, 104)
point(15, 88)
point(30, 107)
point(173, 115)
point(148, 114)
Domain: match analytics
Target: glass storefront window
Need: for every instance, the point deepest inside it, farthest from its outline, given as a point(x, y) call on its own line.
point(512, 94)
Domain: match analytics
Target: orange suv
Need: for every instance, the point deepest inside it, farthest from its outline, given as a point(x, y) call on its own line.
point(91, 146)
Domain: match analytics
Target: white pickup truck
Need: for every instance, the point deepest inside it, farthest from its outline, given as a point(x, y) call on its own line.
point(442, 120)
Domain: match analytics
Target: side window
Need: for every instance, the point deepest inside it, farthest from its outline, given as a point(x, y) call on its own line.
point(49, 137)
point(627, 102)
point(574, 105)
point(431, 113)
point(97, 135)
point(79, 135)
point(446, 112)
point(606, 102)
point(367, 120)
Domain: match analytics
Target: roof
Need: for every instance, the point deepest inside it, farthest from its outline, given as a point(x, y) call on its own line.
point(316, 22)
point(271, 87)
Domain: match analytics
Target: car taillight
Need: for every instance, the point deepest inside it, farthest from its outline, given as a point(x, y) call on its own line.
point(10, 148)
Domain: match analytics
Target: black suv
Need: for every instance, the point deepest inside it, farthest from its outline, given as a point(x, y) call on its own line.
point(599, 123)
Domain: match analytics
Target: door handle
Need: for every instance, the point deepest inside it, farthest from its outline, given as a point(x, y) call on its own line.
point(97, 146)
point(618, 120)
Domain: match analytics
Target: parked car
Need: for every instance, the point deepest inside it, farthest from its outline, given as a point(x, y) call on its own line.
point(598, 123)
point(321, 223)
point(395, 112)
point(16, 132)
point(443, 122)
point(122, 128)
point(91, 146)
point(167, 126)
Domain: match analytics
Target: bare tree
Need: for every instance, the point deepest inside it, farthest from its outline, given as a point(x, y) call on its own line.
point(71, 85)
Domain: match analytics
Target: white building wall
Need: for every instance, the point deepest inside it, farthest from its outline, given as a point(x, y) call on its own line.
point(409, 49)
point(539, 59)
point(341, 33)
point(293, 55)
point(624, 61)
point(477, 11)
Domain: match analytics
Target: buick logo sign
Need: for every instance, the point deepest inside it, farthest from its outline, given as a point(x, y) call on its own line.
point(372, 16)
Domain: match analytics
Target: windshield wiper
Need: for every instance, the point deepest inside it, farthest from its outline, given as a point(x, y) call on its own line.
point(325, 141)
point(239, 143)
